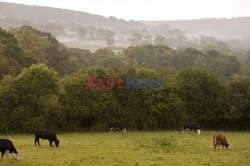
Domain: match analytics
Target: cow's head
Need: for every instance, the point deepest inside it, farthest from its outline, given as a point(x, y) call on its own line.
point(57, 143)
point(15, 155)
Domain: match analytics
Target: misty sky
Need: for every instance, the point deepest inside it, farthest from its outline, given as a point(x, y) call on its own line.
point(151, 9)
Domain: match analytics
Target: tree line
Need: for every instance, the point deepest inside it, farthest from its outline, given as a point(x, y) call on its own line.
point(43, 84)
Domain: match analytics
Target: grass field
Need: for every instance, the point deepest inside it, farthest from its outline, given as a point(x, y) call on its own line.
point(131, 149)
point(92, 45)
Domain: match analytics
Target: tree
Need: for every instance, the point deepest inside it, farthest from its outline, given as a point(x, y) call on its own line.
point(107, 58)
point(186, 58)
point(136, 54)
point(147, 40)
point(225, 65)
point(159, 40)
point(136, 39)
point(42, 47)
point(204, 97)
point(55, 29)
point(91, 30)
point(101, 33)
point(109, 38)
point(33, 43)
point(222, 47)
point(248, 57)
point(110, 41)
point(81, 33)
point(239, 87)
point(12, 58)
point(38, 80)
point(213, 53)
point(88, 108)
point(29, 99)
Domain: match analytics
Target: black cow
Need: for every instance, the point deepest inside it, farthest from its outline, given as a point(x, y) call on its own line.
point(117, 126)
point(192, 126)
point(46, 134)
point(6, 146)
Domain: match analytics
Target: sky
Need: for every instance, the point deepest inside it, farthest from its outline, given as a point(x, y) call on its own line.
point(151, 9)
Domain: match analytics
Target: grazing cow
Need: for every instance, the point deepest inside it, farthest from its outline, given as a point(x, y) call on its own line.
point(192, 126)
point(219, 139)
point(117, 126)
point(6, 146)
point(46, 134)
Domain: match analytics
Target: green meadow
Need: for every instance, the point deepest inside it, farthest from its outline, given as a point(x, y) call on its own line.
point(131, 149)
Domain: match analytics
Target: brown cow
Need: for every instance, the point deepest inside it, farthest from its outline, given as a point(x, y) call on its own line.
point(219, 139)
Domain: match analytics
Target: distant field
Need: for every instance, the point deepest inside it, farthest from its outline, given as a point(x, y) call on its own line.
point(131, 149)
point(91, 45)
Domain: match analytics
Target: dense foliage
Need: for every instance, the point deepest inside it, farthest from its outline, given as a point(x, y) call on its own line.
point(43, 84)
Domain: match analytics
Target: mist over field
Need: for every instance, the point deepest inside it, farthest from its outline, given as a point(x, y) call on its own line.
point(78, 29)
point(81, 74)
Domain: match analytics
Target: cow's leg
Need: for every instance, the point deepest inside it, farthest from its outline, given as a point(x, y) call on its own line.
point(6, 154)
point(37, 141)
point(2, 155)
point(50, 143)
point(183, 130)
point(216, 145)
point(3, 152)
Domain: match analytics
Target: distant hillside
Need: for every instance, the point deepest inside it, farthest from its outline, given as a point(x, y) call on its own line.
point(221, 28)
point(37, 14)
point(89, 31)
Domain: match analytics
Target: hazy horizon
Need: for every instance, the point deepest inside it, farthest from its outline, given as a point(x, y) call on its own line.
point(151, 10)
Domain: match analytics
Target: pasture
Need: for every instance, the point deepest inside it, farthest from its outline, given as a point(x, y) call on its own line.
point(131, 149)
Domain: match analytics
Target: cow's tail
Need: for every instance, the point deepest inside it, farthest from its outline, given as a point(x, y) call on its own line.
point(214, 141)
